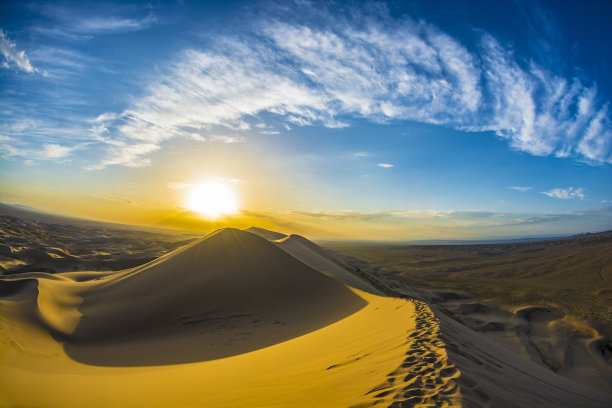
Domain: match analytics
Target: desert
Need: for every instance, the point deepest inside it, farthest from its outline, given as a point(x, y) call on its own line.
point(254, 317)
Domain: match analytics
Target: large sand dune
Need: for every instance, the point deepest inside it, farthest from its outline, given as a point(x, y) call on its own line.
point(228, 293)
point(249, 318)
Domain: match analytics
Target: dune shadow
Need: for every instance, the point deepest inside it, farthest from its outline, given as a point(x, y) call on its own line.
point(198, 340)
point(17, 288)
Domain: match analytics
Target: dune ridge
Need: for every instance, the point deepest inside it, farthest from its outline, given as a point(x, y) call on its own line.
point(320, 259)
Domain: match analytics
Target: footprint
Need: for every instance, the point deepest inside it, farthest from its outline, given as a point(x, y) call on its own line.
point(425, 376)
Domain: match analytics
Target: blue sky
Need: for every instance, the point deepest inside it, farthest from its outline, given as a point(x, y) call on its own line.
point(390, 120)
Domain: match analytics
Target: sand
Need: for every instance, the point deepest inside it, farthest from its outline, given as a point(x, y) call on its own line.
point(316, 257)
point(250, 318)
point(548, 301)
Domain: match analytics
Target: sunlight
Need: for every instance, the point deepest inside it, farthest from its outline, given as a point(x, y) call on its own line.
point(212, 199)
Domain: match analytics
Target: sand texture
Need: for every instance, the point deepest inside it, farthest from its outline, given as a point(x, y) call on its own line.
point(251, 318)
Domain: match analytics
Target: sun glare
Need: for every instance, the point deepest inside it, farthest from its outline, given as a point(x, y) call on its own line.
point(212, 199)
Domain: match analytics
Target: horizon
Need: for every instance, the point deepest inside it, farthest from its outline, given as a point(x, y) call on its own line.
point(370, 121)
point(322, 241)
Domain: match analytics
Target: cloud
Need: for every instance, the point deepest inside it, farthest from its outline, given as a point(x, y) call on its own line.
point(55, 151)
point(99, 25)
point(50, 151)
point(119, 199)
point(519, 188)
point(382, 72)
point(127, 155)
point(467, 219)
point(227, 139)
point(82, 23)
point(105, 117)
point(565, 193)
point(12, 55)
point(63, 63)
point(542, 113)
point(360, 154)
point(374, 67)
point(375, 215)
point(385, 165)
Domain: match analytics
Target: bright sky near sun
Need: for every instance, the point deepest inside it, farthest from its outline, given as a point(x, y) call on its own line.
point(371, 120)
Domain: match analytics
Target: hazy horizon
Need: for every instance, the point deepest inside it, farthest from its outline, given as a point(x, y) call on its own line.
point(360, 121)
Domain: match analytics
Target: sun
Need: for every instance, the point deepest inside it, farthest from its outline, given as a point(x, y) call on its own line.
point(212, 199)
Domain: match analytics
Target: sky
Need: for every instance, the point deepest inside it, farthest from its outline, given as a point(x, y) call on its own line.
point(350, 120)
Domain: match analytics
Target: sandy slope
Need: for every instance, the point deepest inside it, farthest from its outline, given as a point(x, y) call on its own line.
point(493, 375)
point(316, 257)
point(238, 319)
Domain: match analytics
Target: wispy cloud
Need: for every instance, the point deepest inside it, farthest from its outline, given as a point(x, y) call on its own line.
point(12, 56)
point(360, 154)
point(11, 148)
point(565, 193)
point(405, 214)
point(382, 70)
point(348, 65)
point(404, 70)
point(542, 113)
point(63, 63)
point(118, 199)
point(385, 165)
point(522, 189)
point(465, 219)
point(97, 25)
point(82, 23)
point(372, 216)
point(127, 155)
point(228, 139)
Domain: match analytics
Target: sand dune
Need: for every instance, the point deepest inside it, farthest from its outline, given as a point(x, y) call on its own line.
point(228, 293)
point(251, 318)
